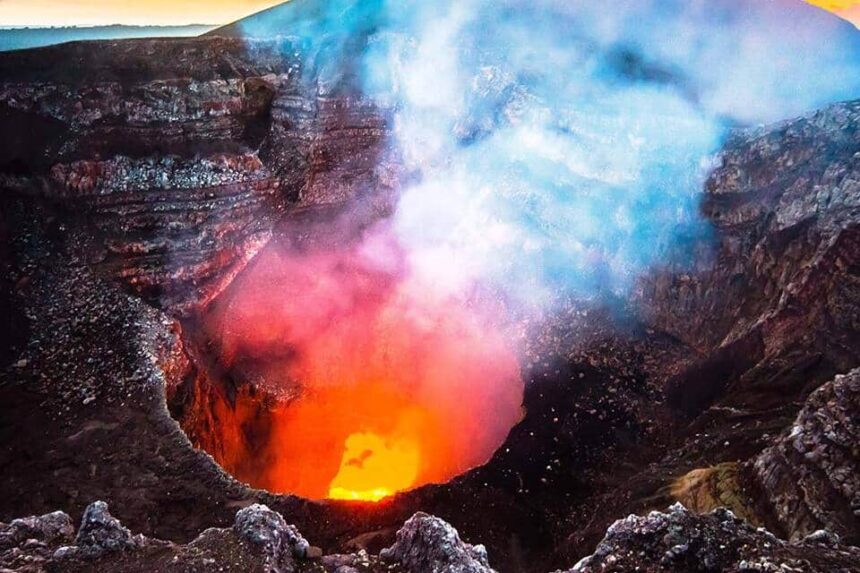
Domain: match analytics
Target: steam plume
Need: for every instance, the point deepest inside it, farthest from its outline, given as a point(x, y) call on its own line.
point(554, 149)
point(562, 145)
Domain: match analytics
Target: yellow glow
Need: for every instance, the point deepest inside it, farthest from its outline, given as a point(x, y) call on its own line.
point(848, 9)
point(834, 5)
point(374, 468)
point(131, 12)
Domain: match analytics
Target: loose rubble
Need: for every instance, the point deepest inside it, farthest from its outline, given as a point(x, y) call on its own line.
point(682, 541)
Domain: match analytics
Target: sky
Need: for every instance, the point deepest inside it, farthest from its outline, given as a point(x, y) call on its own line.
point(178, 12)
point(131, 12)
point(848, 9)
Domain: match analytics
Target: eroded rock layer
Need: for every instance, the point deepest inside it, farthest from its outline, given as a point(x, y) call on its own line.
point(180, 156)
point(811, 475)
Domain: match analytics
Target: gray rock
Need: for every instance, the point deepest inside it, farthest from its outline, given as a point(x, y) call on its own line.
point(102, 533)
point(427, 544)
point(267, 529)
point(810, 476)
point(681, 541)
point(53, 527)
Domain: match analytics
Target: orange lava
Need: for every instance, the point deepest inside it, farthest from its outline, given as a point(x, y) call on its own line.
point(374, 467)
point(382, 384)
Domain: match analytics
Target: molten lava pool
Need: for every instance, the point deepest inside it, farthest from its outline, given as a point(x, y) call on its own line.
point(353, 379)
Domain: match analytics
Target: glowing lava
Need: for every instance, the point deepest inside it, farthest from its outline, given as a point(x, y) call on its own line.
point(374, 468)
point(368, 381)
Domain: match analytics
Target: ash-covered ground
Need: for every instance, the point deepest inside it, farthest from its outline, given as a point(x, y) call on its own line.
point(139, 178)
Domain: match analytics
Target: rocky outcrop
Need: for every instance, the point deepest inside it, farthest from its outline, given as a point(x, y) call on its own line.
point(811, 475)
point(427, 543)
point(776, 304)
point(681, 541)
point(267, 529)
point(259, 541)
point(26, 544)
point(178, 170)
point(101, 533)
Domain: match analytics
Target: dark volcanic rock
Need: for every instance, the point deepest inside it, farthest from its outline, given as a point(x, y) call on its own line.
point(684, 542)
point(26, 544)
point(259, 541)
point(811, 475)
point(778, 303)
point(50, 528)
point(266, 528)
point(102, 533)
point(427, 543)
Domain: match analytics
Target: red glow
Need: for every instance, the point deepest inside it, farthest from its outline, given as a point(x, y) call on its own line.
point(385, 384)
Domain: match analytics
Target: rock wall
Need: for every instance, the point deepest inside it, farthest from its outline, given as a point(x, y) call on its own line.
point(778, 295)
point(811, 475)
point(181, 156)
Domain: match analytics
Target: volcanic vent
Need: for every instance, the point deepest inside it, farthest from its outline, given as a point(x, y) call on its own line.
point(332, 371)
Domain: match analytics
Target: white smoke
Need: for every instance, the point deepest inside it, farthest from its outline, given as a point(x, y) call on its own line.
point(561, 146)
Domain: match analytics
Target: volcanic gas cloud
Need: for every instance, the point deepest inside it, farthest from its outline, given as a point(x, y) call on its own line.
point(554, 148)
point(381, 383)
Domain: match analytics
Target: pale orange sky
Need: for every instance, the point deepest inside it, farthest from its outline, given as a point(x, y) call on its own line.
point(848, 9)
point(175, 12)
point(137, 12)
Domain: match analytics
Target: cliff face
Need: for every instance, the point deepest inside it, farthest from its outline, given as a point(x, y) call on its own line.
point(779, 294)
point(810, 476)
point(774, 311)
point(179, 156)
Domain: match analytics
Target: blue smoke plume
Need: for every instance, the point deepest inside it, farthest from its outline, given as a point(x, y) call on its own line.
point(561, 146)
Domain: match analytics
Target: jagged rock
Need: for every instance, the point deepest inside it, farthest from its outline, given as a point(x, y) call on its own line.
point(776, 303)
point(27, 544)
point(49, 528)
point(681, 541)
point(811, 475)
point(102, 533)
point(266, 528)
point(427, 544)
point(259, 541)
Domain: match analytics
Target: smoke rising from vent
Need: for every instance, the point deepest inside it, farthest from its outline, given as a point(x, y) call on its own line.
point(381, 384)
point(562, 145)
point(549, 149)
